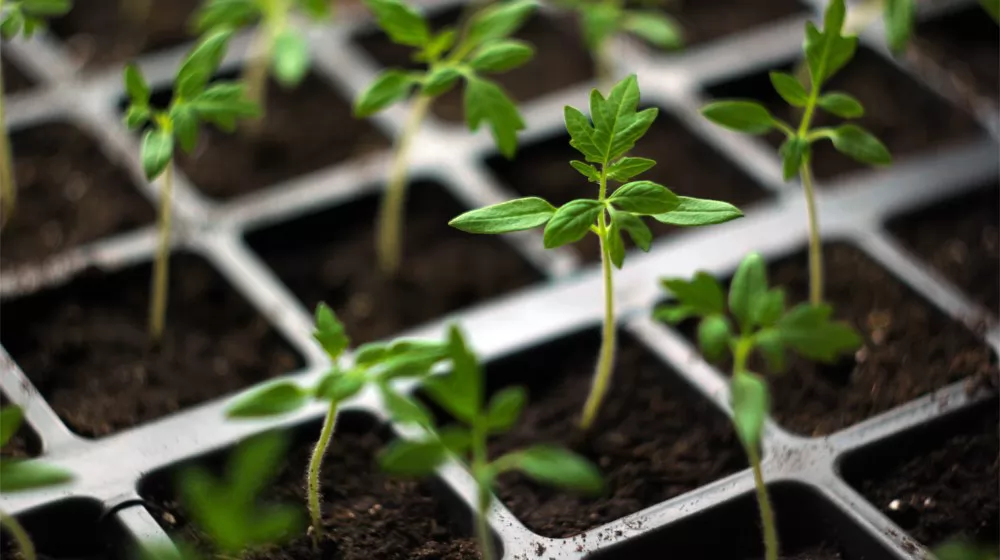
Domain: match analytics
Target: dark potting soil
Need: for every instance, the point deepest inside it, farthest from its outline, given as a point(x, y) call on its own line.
point(685, 165)
point(69, 194)
point(961, 239)
point(560, 61)
point(99, 35)
point(708, 20)
point(86, 349)
point(367, 515)
point(654, 438)
point(14, 80)
point(950, 488)
point(330, 256)
point(904, 115)
point(305, 129)
point(964, 43)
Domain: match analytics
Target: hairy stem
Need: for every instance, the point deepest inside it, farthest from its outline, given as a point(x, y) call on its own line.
point(479, 467)
point(764, 502)
point(161, 266)
point(390, 217)
point(20, 535)
point(312, 477)
point(8, 190)
point(815, 243)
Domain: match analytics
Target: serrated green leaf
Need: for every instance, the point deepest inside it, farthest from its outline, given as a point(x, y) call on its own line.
point(290, 57)
point(402, 23)
point(405, 409)
point(269, 399)
point(437, 46)
point(330, 332)
point(389, 87)
point(501, 56)
point(702, 294)
point(858, 143)
point(615, 246)
point(486, 102)
point(455, 439)
point(12, 23)
point(617, 125)
point(231, 13)
point(793, 153)
point(17, 475)
point(699, 212)
point(135, 85)
point(768, 343)
point(842, 105)
point(199, 65)
point(558, 467)
point(370, 352)
point(808, 330)
point(338, 386)
point(749, 117)
point(637, 230)
point(587, 170)
point(505, 408)
point(506, 217)
point(768, 309)
point(644, 198)
point(10, 420)
point(899, 16)
point(499, 20)
point(581, 134)
point(673, 314)
point(628, 167)
point(713, 337)
point(223, 103)
point(748, 285)
point(827, 51)
point(751, 402)
point(156, 150)
point(135, 117)
point(789, 89)
point(571, 222)
point(412, 458)
point(656, 27)
point(440, 80)
point(599, 21)
point(460, 391)
point(185, 123)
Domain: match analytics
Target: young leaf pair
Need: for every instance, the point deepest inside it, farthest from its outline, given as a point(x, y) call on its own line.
point(375, 364)
point(23, 474)
point(762, 325)
point(617, 125)
point(194, 102)
point(826, 53)
point(462, 394)
point(481, 48)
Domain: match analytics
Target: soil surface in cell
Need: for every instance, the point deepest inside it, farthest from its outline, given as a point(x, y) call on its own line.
point(69, 193)
point(964, 44)
point(654, 437)
point(684, 164)
point(708, 20)
point(905, 116)
point(14, 80)
point(560, 61)
point(961, 239)
point(305, 129)
point(819, 552)
point(950, 490)
point(330, 257)
point(367, 515)
point(86, 349)
point(100, 34)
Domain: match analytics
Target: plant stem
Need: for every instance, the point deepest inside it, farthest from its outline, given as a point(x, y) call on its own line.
point(390, 217)
point(764, 502)
point(20, 535)
point(312, 477)
point(815, 243)
point(255, 75)
point(161, 266)
point(8, 190)
point(479, 467)
point(606, 360)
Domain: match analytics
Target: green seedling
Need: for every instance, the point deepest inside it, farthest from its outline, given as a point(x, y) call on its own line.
point(962, 549)
point(617, 125)
point(19, 18)
point(23, 474)
point(194, 102)
point(762, 325)
point(375, 364)
point(826, 53)
point(462, 394)
point(482, 47)
point(279, 46)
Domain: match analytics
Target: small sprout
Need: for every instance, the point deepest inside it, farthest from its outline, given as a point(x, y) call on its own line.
point(462, 393)
point(375, 364)
point(762, 324)
point(21, 17)
point(194, 102)
point(826, 53)
point(617, 125)
point(23, 474)
point(481, 48)
point(279, 46)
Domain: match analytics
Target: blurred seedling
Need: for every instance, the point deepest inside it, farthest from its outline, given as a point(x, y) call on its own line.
point(617, 125)
point(194, 102)
point(826, 53)
point(19, 18)
point(461, 392)
point(375, 364)
point(23, 474)
point(482, 47)
point(762, 325)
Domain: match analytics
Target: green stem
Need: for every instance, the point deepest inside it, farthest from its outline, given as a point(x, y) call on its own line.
point(764, 502)
point(390, 218)
point(17, 531)
point(815, 243)
point(161, 266)
point(312, 477)
point(8, 190)
point(479, 467)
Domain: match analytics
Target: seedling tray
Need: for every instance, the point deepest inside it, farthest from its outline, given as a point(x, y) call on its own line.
point(819, 476)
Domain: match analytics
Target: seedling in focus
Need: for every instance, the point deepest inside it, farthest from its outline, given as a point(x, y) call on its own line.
point(482, 47)
point(23, 474)
point(616, 128)
point(375, 364)
point(462, 394)
point(762, 324)
point(194, 102)
point(826, 53)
